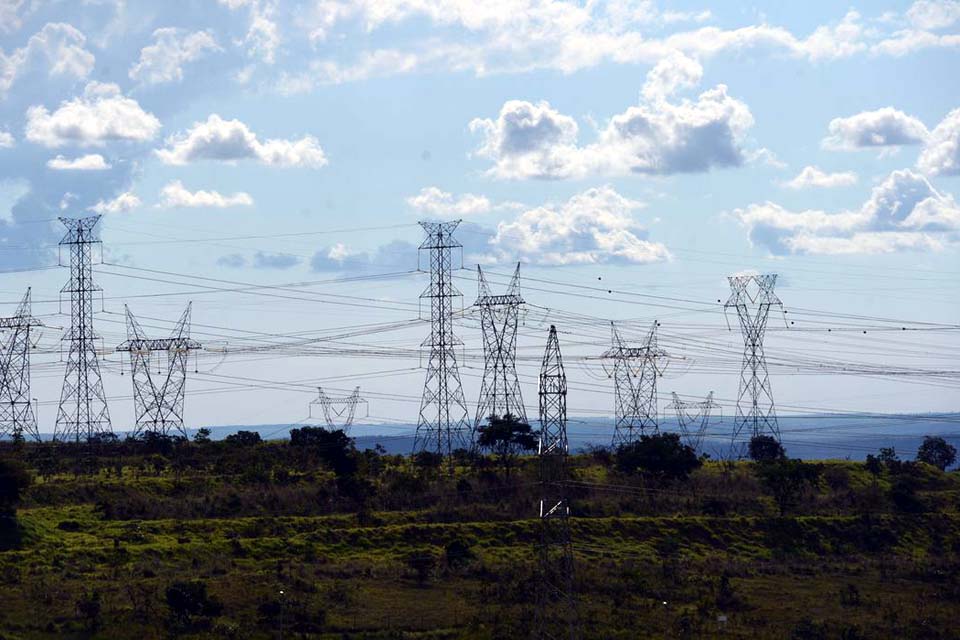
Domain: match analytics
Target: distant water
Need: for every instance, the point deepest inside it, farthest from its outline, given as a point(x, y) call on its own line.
point(811, 437)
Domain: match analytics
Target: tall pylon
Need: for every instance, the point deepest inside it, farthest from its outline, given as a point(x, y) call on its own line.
point(158, 403)
point(443, 426)
point(499, 319)
point(693, 419)
point(752, 296)
point(555, 615)
point(83, 411)
point(635, 373)
point(17, 417)
point(338, 413)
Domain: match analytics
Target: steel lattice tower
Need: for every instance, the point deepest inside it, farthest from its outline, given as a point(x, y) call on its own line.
point(338, 413)
point(635, 373)
point(83, 411)
point(555, 615)
point(690, 413)
point(752, 297)
point(443, 425)
point(158, 404)
point(499, 318)
point(16, 411)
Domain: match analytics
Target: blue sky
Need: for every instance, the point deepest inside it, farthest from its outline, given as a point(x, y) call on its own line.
point(648, 149)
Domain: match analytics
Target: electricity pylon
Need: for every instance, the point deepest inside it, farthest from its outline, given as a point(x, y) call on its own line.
point(635, 373)
point(338, 413)
point(443, 425)
point(83, 412)
point(555, 615)
point(158, 403)
point(693, 413)
point(16, 411)
point(499, 318)
point(752, 296)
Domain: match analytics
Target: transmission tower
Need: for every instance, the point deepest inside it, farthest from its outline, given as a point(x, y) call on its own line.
point(693, 413)
point(499, 319)
point(338, 413)
point(83, 411)
point(158, 402)
point(16, 411)
point(752, 297)
point(443, 425)
point(635, 373)
point(555, 615)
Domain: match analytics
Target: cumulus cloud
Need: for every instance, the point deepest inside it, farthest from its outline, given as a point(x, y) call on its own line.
point(941, 154)
point(174, 194)
point(903, 212)
point(812, 176)
point(934, 14)
point(233, 260)
point(232, 140)
point(121, 204)
point(436, 202)
point(102, 114)
point(595, 226)
point(163, 60)
point(656, 137)
point(6, 140)
point(881, 128)
point(263, 260)
point(60, 46)
point(89, 162)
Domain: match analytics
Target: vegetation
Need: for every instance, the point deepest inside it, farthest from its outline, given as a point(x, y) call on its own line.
point(168, 537)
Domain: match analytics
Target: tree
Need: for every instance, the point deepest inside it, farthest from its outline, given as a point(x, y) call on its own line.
point(888, 456)
point(202, 436)
point(937, 452)
point(14, 478)
point(335, 448)
point(507, 437)
point(661, 456)
point(787, 480)
point(243, 438)
point(766, 449)
point(187, 599)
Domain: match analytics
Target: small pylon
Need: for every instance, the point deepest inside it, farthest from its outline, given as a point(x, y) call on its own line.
point(693, 413)
point(338, 413)
point(635, 373)
point(16, 411)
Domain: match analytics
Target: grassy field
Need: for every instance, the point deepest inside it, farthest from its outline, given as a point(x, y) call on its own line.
point(392, 549)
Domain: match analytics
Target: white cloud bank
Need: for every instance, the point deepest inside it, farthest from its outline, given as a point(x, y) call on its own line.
point(59, 46)
point(102, 114)
point(658, 136)
point(884, 127)
point(89, 162)
point(593, 227)
point(232, 140)
point(903, 212)
point(436, 202)
point(174, 194)
point(941, 155)
point(163, 60)
point(815, 177)
point(121, 204)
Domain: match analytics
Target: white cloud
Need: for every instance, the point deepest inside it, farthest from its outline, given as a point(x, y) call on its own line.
point(89, 162)
point(163, 61)
point(595, 226)
point(656, 137)
point(908, 41)
point(121, 204)
point(232, 140)
point(881, 128)
point(812, 176)
point(101, 115)
point(6, 140)
point(903, 212)
point(433, 201)
point(10, 19)
point(941, 154)
point(59, 45)
point(174, 194)
point(933, 14)
point(263, 33)
point(263, 260)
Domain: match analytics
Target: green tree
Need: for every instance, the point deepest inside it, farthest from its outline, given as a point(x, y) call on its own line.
point(202, 436)
point(937, 452)
point(787, 480)
point(661, 456)
point(334, 447)
point(244, 438)
point(507, 437)
point(14, 478)
point(766, 449)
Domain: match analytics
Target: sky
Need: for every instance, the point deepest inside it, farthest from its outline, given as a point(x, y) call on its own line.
point(270, 160)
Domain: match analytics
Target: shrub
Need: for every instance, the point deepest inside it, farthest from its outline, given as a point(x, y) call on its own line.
point(937, 452)
point(766, 449)
point(187, 599)
point(243, 438)
point(661, 456)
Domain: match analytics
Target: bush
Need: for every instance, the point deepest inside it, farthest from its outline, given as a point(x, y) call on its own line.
point(187, 599)
point(661, 456)
point(244, 438)
point(14, 478)
point(766, 449)
point(787, 480)
point(937, 452)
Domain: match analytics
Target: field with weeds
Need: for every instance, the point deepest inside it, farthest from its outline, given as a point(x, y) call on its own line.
point(271, 539)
